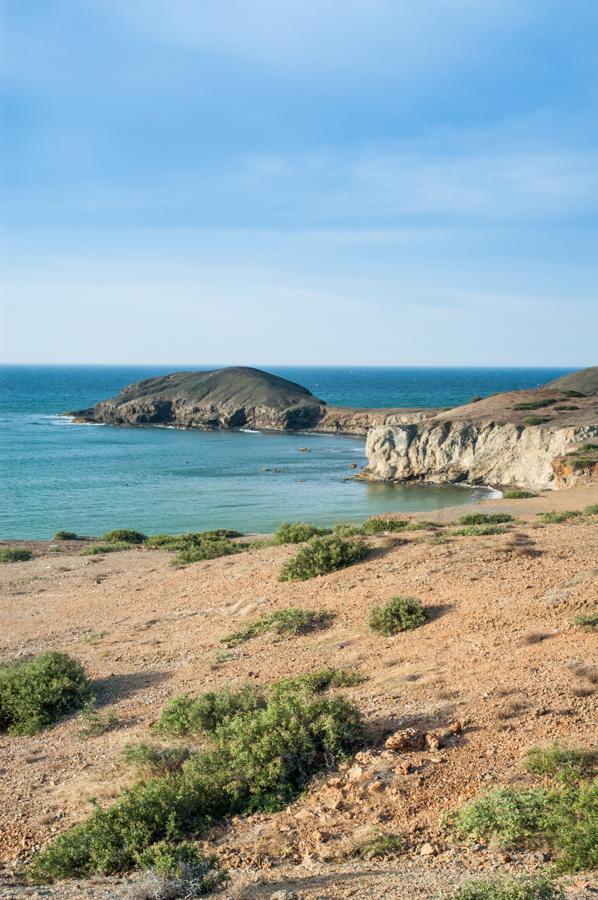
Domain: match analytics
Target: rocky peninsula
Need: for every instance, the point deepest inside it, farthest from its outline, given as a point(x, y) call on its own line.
point(531, 438)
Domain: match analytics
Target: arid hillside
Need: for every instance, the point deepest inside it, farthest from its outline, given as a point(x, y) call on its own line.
point(502, 664)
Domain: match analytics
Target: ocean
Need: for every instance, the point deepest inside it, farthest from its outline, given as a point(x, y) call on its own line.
point(92, 478)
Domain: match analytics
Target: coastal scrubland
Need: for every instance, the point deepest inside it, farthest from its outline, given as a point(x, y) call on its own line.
point(412, 715)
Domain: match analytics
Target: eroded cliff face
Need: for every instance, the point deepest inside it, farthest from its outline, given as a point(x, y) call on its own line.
point(472, 452)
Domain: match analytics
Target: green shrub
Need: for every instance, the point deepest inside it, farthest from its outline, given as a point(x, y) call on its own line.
point(383, 526)
point(320, 680)
point(511, 816)
point(535, 420)
point(34, 693)
point(346, 529)
point(586, 448)
point(260, 761)
point(290, 621)
point(297, 532)
point(322, 555)
point(190, 539)
point(399, 614)
point(557, 518)
point(563, 820)
point(588, 620)
point(15, 554)
point(210, 549)
point(124, 534)
point(534, 404)
point(583, 462)
point(184, 715)
point(518, 495)
point(485, 518)
point(535, 887)
point(572, 394)
point(66, 536)
point(591, 510)
point(381, 844)
point(565, 408)
point(101, 549)
point(150, 759)
point(179, 870)
point(479, 530)
point(556, 760)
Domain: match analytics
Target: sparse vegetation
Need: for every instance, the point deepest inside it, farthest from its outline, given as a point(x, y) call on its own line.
point(383, 526)
point(209, 549)
point(92, 637)
point(346, 529)
point(128, 535)
point(586, 620)
point(381, 844)
point(297, 532)
point(190, 539)
point(526, 887)
point(66, 536)
point(475, 399)
point(36, 692)
point(565, 408)
point(558, 761)
point(479, 530)
point(14, 554)
point(322, 555)
point(485, 518)
point(565, 820)
point(260, 759)
point(95, 722)
point(320, 680)
point(518, 495)
point(535, 420)
point(399, 614)
point(101, 549)
point(152, 760)
point(572, 394)
point(557, 518)
point(176, 871)
point(290, 621)
point(591, 510)
point(534, 404)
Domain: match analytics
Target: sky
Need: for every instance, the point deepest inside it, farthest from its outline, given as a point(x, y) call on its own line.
point(365, 182)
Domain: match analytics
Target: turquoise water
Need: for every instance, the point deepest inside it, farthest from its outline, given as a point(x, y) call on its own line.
point(90, 478)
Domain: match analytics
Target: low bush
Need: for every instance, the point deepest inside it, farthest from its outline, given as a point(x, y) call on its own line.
point(475, 399)
point(290, 621)
point(381, 844)
point(535, 420)
point(591, 510)
point(534, 404)
point(518, 495)
point(565, 408)
point(66, 536)
point(177, 871)
point(322, 555)
point(320, 680)
point(190, 539)
point(260, 760)
point(183, 715)
point(572, 394)
point(479, 530)
point(563, 820)
point(210, 549)
point(399, 614)
point(485, 518)
point(346, 529)
point(297, 532)
point(384, 526)
point(101, 549)
point(128, 535)
point(558, 761)
point(534, 887)
point(15, 554)
point(557, 518)
point(151, 759)
point(35, 693)
point(587, 620)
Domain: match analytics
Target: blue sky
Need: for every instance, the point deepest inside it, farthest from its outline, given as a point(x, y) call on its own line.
point(281, 181)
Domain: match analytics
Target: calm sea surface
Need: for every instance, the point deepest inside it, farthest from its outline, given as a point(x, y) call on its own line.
point(90, 478)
